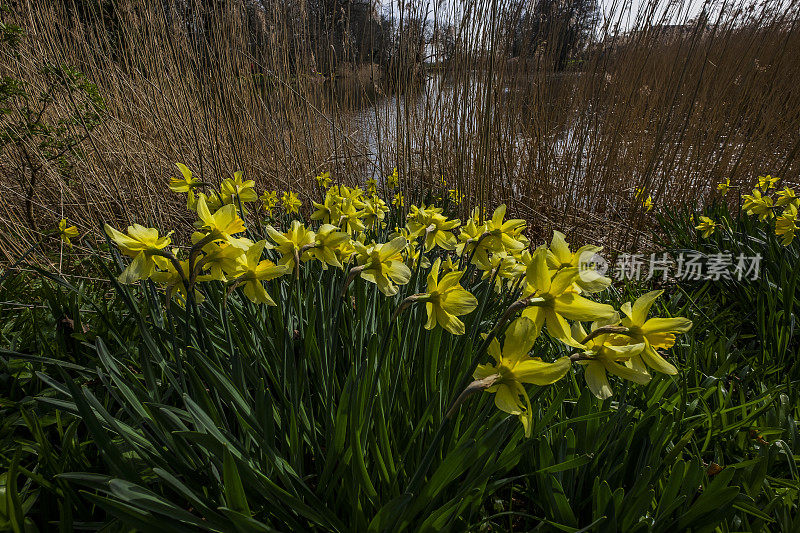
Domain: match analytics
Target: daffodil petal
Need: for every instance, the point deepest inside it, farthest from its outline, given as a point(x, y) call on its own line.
point(459, 302)
point(596, 379)
point(431, 323)
point(560, 248)
point(520, 337)
point(641, 307)
point(652, 359)
point(506, 398)
point(540, 372)
point(538, 275)
point(575, 307)
point(563, 279)
point(667, 325)
point(627, 373)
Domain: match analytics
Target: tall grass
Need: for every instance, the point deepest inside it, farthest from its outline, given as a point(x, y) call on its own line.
point(672, 112)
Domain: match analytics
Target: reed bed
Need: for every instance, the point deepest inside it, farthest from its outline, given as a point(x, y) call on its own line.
point(654, 102)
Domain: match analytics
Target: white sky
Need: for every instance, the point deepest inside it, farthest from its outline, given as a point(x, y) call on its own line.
point(679, 10)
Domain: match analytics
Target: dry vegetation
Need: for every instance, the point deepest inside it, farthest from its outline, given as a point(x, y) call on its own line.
point(672, 111)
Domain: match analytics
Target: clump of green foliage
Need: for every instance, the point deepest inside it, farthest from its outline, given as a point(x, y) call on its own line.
point(335, 409)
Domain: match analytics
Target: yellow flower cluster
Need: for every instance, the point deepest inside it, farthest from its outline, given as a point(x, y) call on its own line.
point(555, 283)
point(765, 202)
point(626, 347)
point(350, 209)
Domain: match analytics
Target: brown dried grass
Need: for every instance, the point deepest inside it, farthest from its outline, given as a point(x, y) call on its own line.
point(673, 113)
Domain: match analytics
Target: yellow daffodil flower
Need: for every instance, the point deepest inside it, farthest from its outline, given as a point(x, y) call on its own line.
point(233, 188)
point(456, 196)
point(513, 366)
point(647, 202)
point(372, 186)
point(222, 225)
point(221, 258)
point(290, 202)
point(756, 204)
point(446, 300)
point(141, 244)
point(327, 241)
point(290, 242)
point(470, 241)
point(374, 211)
point(328, 211)
point(65, 232)
point(324, 180)
point(559, 256)
point(786, 197)
point(213, 202)
point(422, 211)
point(434, 226)
point(559, 301)
point(343, 194)
point(654, 333)
point(356, 195)
point(767, 182)
point(251, 271)
point(186, 183)
point(399, 200)
point(506, 267)
point(269, 199)
point(724, 186)
point(344, 252)
point(411, 254)
point(505, 235)
point(707, 226)
point(448, 265)
point(383, 264)
point(610, 353)
point(350, 217)
point(786, 225)
point(173, 282)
